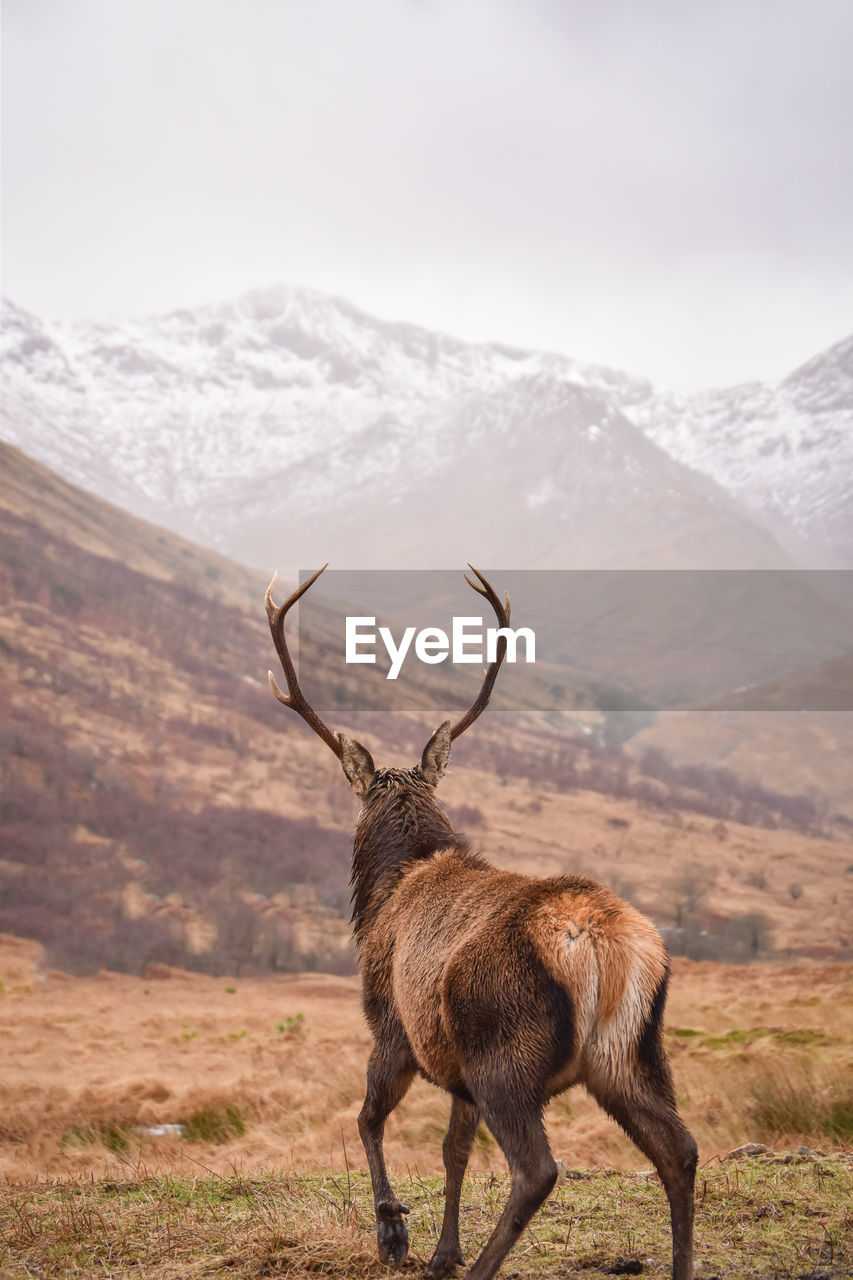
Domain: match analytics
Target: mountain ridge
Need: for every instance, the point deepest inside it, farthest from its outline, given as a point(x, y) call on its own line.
point(244, 424)
point(799, 473)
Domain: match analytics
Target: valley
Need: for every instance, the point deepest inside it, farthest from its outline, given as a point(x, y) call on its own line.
point(161, 807)
point(173, 1069)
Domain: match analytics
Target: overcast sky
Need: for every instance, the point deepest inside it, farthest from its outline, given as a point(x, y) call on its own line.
point(661, 185)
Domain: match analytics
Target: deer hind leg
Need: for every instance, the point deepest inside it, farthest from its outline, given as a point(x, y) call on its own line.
point(645, 1108)
point(521, 1134)
point(464, 1118)
point(389, 1074)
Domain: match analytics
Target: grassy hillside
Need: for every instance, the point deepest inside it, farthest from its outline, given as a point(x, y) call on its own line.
point(160, 807)
point(207, 1125)
point(133, 667)
point(795, 733)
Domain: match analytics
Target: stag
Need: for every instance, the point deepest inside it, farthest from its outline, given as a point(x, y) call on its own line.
point(500, 988)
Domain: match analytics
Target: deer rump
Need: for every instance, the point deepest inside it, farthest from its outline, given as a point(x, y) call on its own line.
point(495, 976)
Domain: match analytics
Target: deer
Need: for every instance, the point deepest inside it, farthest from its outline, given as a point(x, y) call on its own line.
point(503, 989)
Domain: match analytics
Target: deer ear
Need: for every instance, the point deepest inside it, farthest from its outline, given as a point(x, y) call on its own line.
point(357, 764)
point(436, 754)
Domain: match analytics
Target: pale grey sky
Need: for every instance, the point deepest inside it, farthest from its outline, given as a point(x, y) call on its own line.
point(661, 185)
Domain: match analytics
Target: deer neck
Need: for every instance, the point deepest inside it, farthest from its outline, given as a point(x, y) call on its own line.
point(386, 843)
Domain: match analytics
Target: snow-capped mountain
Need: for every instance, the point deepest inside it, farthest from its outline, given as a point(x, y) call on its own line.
point(785, 450)
point(287, 426)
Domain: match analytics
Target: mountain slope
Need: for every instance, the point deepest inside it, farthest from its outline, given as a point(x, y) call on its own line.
point(160, 806)
point(153, 805)
point(287, 422)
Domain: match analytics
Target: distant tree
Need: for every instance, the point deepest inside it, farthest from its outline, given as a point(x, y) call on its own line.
point(750, 934)
point(689, 888)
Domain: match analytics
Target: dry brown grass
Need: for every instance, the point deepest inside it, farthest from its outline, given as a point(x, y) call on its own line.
point(755, 1218)
point(90, 1062)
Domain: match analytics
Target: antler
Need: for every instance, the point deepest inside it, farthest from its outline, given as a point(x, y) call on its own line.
point(502, 614)
point(294, 697)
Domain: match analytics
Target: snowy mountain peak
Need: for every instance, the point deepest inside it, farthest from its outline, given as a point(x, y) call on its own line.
point(230, 421)
point(824, 383)
point(785, 450)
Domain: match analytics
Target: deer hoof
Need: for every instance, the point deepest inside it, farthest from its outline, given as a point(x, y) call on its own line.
point(393, 1240)
point(444, 1263)
point(391, 1233)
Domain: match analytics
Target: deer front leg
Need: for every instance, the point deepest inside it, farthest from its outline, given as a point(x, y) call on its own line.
point(389, 1074)
point(464, 1118)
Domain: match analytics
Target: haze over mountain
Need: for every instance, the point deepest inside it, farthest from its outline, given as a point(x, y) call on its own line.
point(287, 425)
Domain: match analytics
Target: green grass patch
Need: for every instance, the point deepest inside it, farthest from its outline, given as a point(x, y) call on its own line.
point(838, 1121)
point(739, 1037)
point(804, 1037)
point(291, 1025)
point(214, 1124)
point(109, 1134)
point(485, 1141)
point(757, 1218)
point(787, 1101)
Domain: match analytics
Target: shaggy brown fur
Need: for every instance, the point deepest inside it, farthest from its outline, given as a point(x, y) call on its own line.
point(500, 988)
point(503, 990)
